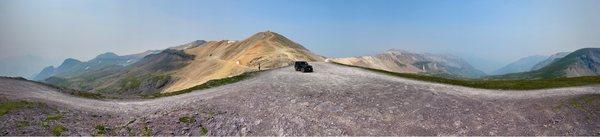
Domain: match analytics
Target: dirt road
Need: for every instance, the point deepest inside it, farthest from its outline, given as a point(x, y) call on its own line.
point(334, 100)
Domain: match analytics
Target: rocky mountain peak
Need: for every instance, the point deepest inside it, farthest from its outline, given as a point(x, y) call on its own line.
point(275, 38)
point(395, 50)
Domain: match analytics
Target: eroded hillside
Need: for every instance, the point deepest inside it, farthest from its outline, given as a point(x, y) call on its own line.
point(219, 59)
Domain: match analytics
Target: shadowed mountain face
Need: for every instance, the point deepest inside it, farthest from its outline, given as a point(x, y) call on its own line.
point(190, 45)
point(583, 62)
point(145, 76)
point(180, 67)
point(521, 65)
point(407, 62)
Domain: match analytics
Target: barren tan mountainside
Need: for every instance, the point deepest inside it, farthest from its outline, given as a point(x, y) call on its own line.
point(393, 60)
point(220, 59)
point(408, 62)
point(378, 63)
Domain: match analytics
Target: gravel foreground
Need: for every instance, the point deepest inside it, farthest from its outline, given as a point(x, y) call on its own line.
point(333, 100)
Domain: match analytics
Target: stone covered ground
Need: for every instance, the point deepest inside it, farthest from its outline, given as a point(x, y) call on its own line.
point(334, 100)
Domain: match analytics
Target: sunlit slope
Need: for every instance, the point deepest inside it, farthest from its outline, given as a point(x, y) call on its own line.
point(219, 59)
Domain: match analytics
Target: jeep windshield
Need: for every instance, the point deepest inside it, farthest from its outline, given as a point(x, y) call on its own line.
point(302, 63)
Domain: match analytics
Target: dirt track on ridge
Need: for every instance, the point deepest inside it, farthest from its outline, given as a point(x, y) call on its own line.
point(338, 100)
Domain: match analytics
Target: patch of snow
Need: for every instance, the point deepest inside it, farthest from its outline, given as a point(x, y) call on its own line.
point(88, 67)
point(230, 41)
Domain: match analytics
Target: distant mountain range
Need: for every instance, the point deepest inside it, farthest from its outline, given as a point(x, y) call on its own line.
point(401, 61)
point(72, 67)
point(529, 63)
point(521, 65)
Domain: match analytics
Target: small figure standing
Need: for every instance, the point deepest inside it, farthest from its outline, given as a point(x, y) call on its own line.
point(259, 66)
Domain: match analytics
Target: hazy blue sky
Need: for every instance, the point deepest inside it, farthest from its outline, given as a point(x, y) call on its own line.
point(487, 33)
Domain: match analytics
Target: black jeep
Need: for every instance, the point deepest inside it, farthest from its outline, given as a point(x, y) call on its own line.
point(303, 66)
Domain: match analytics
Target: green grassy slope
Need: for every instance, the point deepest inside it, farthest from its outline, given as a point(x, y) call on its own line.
point(207, 85)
